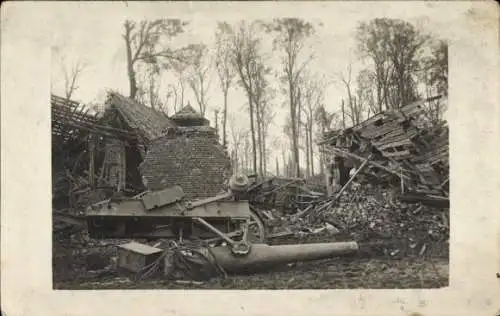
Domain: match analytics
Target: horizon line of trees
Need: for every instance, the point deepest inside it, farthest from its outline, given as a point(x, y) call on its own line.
point(400, 65)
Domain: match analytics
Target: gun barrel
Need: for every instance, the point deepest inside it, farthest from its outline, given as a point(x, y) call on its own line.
point(262, 255)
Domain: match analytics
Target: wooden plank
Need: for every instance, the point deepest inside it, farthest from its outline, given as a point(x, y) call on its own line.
point(400, 135)
point(397, 154)
point(404, 142)
point(354, 156)
point(417, 106)
point(369, 121)
point(383, 130)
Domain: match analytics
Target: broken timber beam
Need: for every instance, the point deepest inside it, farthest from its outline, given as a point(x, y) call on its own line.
point(373, 163)
point(337, 196)
point(363, 165)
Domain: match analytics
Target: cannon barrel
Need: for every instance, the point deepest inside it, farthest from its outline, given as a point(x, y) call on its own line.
point(262, 255)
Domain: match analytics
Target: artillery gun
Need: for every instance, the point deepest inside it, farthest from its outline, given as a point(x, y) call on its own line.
point(168, 214)
point(226, 222)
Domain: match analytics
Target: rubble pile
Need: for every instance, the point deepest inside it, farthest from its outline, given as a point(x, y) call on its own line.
point(398, 147)
point(367, 214)
point(366, 218)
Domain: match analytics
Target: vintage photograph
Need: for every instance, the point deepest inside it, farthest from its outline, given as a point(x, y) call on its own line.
point(250, 153)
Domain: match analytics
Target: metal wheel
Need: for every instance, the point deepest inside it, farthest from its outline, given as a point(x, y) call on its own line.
point(257, 229)
point(256, 232)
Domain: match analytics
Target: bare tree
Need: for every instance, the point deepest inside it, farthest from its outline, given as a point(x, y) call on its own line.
point(313, 96)
point(172, 97)
point(394, 47)
point(148, 87)
point(268, 115)
point(245, 57)
point(265, 116)
point(225, 69)
point(436, 66)
point(290, 37)
point(365, 82)
point(355, 108)
point(434, 76)
point(239, 136)
point(199, 75)
point(325, 121)
point(71, 76)
point(180, 70)
point(148, 42)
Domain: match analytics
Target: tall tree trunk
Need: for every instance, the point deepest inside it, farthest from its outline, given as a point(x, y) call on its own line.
point(277, 167)
point(295, 145)
point(308, 163)
point(258, 112)
point(379, 95)
point(224, 121)
point(311, 144)
point(152, 97)
point(322, 159)
point(264, 153)
point(252, 131)
point(182, 94)
point(284, 163)
point(343, 114)
point(216, 118)
point(130, 69)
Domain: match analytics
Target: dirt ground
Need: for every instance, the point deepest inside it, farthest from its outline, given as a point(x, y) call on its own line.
point(379, 265)
point(327, 274)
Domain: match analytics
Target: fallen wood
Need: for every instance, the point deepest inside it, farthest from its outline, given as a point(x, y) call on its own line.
point(426, 199)
point(373, 163)
point(363, 165)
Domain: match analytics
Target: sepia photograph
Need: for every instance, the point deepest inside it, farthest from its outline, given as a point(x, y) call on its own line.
point(250, 158)
point(250, 154)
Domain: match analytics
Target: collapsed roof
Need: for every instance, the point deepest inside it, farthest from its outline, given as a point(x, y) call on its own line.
point(72, 120)
point(401, 143)
point(144, 120)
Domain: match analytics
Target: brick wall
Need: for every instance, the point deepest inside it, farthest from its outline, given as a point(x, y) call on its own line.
point(193, 160)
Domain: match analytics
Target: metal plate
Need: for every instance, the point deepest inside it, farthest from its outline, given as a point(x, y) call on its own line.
point(233, 209)
point(165, 197)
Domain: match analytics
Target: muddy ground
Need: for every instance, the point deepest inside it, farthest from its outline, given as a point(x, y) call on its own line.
point(380, 264)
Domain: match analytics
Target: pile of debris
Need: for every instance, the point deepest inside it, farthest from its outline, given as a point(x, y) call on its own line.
point(398, 146)
point(397, 194)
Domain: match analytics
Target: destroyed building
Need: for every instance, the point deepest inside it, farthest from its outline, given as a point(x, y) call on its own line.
point(76, 135)
point(188, 155)
point(131, 148)
point(399, 146)
point(120, 165)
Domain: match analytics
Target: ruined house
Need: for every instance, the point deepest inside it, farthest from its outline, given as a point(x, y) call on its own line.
point(77, 135)
point(131, 148)
point(404, 147)
point(121, 159)
point(188, 155)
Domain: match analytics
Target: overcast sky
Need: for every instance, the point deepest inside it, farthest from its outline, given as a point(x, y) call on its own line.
point(92, 33)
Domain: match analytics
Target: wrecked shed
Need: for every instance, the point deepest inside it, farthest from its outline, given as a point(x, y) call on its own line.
point(401, 146)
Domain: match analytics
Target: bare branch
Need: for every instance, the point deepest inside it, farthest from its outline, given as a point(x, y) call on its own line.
point(71, 77)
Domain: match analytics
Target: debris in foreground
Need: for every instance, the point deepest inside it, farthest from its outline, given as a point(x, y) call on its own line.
point(204, 262)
